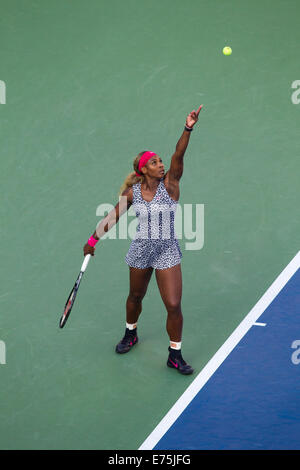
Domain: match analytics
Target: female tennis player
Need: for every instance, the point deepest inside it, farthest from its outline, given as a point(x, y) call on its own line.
point(154, 194)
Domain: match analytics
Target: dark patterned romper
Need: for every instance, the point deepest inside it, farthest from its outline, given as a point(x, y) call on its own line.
point(155, 244)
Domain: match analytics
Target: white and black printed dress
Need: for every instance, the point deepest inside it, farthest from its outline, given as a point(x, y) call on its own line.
point(155, 244)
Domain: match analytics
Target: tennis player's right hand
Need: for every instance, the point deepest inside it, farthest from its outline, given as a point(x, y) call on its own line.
point(88, 250)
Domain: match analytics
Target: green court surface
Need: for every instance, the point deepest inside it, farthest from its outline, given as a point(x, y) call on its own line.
point(88, 86)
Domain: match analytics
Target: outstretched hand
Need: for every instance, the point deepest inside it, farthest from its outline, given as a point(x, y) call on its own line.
point(193, 117)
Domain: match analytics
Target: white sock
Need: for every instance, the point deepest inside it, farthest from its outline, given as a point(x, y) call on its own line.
point(174, 345)
point(131, 326)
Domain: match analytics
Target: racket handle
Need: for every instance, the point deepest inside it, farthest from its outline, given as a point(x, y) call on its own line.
point(85, 263)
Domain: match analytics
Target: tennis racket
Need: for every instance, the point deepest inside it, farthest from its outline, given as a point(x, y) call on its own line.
point(73, 293)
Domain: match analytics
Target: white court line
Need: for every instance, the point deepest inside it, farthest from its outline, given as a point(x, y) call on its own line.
point(221, 354)
point(259, 324)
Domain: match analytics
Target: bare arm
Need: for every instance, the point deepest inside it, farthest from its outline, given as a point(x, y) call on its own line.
point(113, 216)
point(176, 168)
point(111, 219)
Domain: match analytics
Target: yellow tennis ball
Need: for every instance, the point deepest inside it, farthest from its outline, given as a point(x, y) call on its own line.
point(227, 50)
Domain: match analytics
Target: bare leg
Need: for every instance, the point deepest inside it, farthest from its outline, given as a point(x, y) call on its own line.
point(139, 280)
point(169, 282)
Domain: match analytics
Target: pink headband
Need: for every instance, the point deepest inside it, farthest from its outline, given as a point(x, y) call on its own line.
point(143, 160)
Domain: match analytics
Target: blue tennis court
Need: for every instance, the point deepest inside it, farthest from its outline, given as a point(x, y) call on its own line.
point(252, 400)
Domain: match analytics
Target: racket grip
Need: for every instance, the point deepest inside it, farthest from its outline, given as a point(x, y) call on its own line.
point(85, 263)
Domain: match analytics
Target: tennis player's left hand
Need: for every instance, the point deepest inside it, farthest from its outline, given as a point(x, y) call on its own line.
point(193, 117)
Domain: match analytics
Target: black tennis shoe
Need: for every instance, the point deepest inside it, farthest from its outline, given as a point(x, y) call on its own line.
point(127, 342)
point(176, 361)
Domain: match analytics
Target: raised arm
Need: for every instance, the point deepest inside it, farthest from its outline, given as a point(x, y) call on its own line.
point(110, 220)
point(176, 168)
